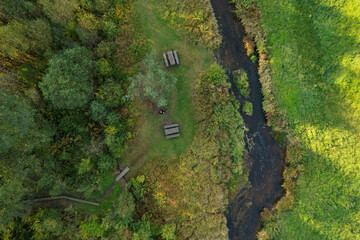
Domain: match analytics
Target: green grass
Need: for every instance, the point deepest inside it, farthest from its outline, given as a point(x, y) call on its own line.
point(106, 202)
point(314, 48)
point(150, 142)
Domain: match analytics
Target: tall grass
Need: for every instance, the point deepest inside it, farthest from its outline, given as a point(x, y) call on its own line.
point(314, 65)
point(193, 16)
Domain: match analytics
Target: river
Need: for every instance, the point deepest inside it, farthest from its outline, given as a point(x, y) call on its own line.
point(266, 158)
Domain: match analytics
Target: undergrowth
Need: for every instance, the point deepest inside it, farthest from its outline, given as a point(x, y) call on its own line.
point(194, 17)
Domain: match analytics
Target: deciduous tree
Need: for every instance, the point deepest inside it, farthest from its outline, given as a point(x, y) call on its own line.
point(68, 83)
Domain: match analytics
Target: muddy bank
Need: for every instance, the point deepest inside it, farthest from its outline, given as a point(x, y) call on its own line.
point(266, 158)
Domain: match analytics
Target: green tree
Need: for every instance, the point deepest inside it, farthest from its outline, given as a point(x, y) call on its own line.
point(13, 190)
point(98, 110)
point(16, 8)
point(112, 93)
point(106, 162)
point(21, 127)
point(60, 11)
point(68, 82)
point(46, 224)
point(125, 207)
point(19, 39)
point(38, 32)
point(103, 67)
point(151, 82)
point(143, 229)
point(91, 228)
point(23, 132)
point(13, 42)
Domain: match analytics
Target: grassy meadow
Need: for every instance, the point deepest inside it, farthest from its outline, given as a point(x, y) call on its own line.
point(315, 60)
point(150, 142)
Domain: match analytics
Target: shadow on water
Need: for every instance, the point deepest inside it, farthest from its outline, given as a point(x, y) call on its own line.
point(266, 159)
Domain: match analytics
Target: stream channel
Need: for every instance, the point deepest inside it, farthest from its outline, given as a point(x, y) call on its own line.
point(265, 157)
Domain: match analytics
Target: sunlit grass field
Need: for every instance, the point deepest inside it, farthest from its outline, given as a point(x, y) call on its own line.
point(315, 56)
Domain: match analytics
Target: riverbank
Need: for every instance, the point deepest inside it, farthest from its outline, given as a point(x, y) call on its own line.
point(265, 157)
point(186, 181)
point(311, 52)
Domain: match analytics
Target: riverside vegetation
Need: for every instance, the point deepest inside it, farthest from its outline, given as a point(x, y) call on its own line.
point(70, 115)
point(309, 66)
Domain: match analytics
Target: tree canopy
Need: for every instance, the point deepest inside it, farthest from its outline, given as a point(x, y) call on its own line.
point(19, 125)
point(68, 82)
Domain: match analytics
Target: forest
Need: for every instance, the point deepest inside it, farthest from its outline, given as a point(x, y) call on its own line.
point(81, 86)
point(81, 82)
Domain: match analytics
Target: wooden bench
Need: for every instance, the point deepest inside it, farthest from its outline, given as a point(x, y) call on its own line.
point(171, 131)
point(122, 174)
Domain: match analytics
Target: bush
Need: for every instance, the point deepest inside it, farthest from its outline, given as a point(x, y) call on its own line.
point(106, 162)
point(151, 82)
point(110, 29)
point(216, 74)
point(137, 186)
point(242, 83)
point(195, 17)
point(168, 231)
point(248, 108)
point(91, 228)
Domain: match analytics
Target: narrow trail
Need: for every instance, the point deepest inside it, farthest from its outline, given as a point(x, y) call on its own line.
point(266, 158)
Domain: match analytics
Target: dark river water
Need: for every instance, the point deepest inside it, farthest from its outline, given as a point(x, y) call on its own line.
point(265, 159)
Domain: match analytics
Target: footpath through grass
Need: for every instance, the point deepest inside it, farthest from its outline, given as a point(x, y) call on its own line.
point(150, 142)
point(314, 48)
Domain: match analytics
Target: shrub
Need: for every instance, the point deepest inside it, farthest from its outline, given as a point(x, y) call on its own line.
point(168, 231)
point(253, 58)
point(151, 82)
point(138, 187)
point(216, 74)
point(106, 162)
point(242, 83)
point(248, 108)
point(110, 29)
point(91, 228)
point(195, 17)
